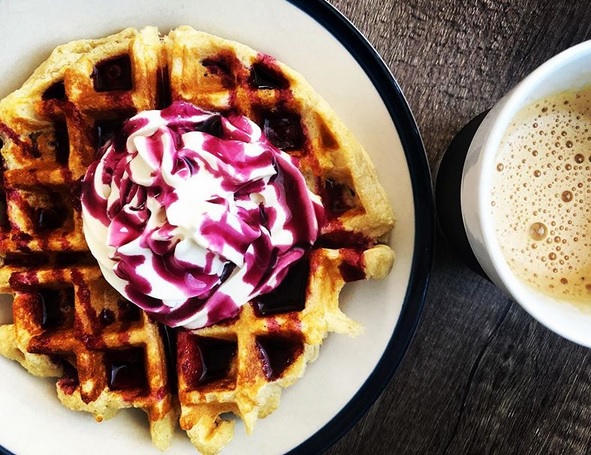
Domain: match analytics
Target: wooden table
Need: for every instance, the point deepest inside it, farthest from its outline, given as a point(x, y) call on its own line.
point(481, 376)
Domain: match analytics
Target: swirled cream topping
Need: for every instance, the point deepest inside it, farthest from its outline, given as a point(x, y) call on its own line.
point(191, 214)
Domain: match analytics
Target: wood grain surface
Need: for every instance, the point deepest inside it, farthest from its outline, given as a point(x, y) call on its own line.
point(481, 376)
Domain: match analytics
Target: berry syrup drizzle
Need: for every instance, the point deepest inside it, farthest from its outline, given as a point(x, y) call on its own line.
point(191, 215)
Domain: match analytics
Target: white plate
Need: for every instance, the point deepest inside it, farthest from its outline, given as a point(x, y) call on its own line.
point(315, 40)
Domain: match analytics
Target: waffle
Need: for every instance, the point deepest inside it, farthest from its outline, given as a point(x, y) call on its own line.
point(108, 355)
point(70, 324)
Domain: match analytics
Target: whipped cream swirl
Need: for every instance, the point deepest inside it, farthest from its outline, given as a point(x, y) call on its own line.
point(191, 214)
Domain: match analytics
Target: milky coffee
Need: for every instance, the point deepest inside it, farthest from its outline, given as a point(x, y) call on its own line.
point(541, 195)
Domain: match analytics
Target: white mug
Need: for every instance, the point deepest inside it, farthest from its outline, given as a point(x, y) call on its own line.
point(569, 70)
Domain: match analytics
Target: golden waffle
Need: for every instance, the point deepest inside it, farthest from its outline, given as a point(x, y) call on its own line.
point(51, 130)
point(67, 321)
point(108, 354)
point(222, 75)
point(240, 366)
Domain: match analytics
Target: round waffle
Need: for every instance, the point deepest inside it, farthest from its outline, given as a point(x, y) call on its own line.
point(69, 323)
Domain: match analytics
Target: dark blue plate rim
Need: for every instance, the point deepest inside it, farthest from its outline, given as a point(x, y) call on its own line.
point(342, 29)
point(391, 93)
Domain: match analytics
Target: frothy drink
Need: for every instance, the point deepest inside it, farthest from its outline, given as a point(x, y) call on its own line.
point(541, 195)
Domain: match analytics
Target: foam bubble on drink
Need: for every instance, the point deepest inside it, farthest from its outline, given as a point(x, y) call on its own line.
point(541, 195)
